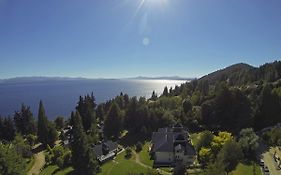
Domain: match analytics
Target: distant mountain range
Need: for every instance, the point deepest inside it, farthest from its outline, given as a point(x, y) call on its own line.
point(236, 74)
point(43, 79)
point(37, 79)
point(162, 78)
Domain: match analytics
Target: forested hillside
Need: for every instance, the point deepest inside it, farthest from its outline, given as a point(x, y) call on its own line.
point(231, 99)
point(241, 74)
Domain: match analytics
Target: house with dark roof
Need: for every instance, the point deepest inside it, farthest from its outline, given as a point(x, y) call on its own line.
point(171, 146)
point(105, 151)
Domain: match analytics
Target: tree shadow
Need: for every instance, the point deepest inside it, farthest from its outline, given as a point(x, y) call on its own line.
point(263, 148)
point(56, 170)
point(132, 139)
point(38, 149)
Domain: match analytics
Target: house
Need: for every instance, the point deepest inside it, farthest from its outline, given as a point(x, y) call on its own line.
point(66, 135)
point(171, 146)
point(105, 151)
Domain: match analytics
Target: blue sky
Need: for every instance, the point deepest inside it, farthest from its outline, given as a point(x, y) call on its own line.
point(127, 38)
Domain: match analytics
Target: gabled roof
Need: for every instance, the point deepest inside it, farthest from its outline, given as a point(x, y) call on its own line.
point(162, 141)
point(166, 139)
point(189, 150)
point(110, 145)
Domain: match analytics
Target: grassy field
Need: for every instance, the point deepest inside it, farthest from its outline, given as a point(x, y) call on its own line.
point(54, 170)
point(121, 165)
point(243, 169)
point(166, 169)
point(144, 155)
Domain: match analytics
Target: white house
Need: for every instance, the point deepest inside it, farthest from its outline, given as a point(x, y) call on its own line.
point(171, 146)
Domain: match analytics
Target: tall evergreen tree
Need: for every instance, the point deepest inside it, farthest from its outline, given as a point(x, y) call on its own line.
point(165, 92)
point(83, 158)
point(60, 123)
point(24, 121)
point(100, 111)
point(268, 110)
point(42, 125)
point(86, 108)
point(47, 133)
point(153, 96)
point(7, 129)
point(114, 121)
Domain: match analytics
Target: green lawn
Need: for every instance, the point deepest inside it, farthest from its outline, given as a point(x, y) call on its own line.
point(144, 154)
point(243, 169)
point(54, 169)
point(167, 169)
point(121, 165)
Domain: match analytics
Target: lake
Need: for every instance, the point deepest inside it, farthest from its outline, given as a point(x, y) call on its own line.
point(61, 97)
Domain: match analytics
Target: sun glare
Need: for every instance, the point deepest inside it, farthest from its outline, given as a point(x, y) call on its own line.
point(156, 2)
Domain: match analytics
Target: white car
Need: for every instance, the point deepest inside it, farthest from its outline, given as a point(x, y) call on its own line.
point(261, 162)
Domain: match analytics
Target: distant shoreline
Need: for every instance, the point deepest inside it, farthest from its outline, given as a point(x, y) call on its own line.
point(57, 79)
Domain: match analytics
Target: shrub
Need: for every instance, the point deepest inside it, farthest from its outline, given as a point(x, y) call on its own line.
point(59, 162)
point(138, 146)
point(31, 139)
point(48, 159)
point(67, 158)
point(128, 153)
point(58, 152)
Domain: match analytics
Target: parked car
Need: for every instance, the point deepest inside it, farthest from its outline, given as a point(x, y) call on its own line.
point(261, 162)
point(266, 170)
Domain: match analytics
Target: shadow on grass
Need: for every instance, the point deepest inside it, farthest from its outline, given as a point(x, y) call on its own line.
point(132, 139)
point(263, 148)
point(56, 170)
point(38, 149)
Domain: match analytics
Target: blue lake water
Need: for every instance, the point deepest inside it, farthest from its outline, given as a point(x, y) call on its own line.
point(60, 97)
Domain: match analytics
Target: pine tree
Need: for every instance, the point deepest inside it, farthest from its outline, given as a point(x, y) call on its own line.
point(113, 123)
point(153, 96)
point(83, 158)
point(165, 92)
point(100, 111)
point(42, 125)
point(47, 133)
point(86, 108)
point(8, 131)
point(24, 121)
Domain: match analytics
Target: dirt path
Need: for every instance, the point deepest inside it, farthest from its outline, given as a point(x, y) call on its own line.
point(137, 159)
point(39, 162)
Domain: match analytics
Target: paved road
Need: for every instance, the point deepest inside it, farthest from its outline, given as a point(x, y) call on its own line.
point(266, 153)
